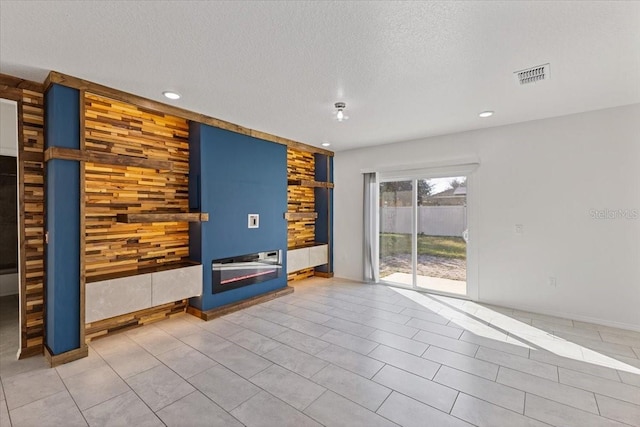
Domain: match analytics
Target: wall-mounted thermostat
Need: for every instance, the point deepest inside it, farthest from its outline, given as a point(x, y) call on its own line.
point(254, 220)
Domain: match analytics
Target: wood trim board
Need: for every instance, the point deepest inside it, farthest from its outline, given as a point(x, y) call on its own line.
point(106, 158)
point(56, 77)
point(309, 183)
point(230, 308)
point(162, 217)
point(66, 357)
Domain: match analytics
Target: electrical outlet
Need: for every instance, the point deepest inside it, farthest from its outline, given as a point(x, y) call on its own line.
point(254, 221)
point(519, 229)
point(552, 282)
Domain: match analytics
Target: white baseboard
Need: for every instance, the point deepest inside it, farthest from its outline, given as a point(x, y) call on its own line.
point(564, 315)
point(570, 316)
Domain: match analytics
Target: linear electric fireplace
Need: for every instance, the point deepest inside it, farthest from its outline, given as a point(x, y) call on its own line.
point(236, 272)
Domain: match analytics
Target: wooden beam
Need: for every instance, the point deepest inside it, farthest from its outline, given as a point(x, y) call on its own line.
point(295, 216)
point(11, 93)
point(106, 158)
point(18, 83)
point(98, 89)
point(230, 308)
point(162, 217)
point(30, 156)
point(309, 183)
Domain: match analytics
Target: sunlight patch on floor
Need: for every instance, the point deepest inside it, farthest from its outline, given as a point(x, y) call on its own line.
point(488, 323)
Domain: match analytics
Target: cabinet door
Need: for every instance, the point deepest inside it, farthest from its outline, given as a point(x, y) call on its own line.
point(297, 259)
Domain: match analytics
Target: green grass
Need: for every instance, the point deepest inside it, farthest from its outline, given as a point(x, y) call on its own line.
point(447, 247)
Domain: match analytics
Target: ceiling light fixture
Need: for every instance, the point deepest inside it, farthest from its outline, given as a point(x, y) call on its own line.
point(171, 95)
point(486, 114)
point(340, 115)
point(326, 144)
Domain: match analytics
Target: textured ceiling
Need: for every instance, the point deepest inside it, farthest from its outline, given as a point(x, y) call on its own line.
point(405, 69)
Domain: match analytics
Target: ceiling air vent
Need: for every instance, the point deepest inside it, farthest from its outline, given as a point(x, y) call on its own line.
point(533, 74)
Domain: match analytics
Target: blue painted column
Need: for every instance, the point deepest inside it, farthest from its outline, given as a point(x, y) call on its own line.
point(62, 222)
point(324, 207)
point(232, 175)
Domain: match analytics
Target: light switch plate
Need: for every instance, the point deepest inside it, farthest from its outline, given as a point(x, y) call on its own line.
point(254, 221)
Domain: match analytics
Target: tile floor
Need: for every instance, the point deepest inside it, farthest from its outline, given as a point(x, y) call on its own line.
point(338, 353)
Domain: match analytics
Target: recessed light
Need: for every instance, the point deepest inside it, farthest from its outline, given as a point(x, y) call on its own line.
point(171, 95)
point(486, 114)
point(326, 144)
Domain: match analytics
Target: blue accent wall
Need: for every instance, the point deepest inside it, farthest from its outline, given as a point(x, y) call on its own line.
point(62, 129)
point(233, 175)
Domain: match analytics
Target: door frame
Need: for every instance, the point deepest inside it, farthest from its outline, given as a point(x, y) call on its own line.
point(440, 170)
point(14, 96)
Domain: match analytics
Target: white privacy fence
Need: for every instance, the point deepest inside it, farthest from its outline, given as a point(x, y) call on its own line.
point(432, 220)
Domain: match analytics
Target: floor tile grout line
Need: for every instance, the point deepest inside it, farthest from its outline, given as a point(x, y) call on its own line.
point(616, 399)
point(595, 377)
point(524, 407)
point(454, 401)
point(597, 393)
point(561, 403)
point(313, 401)
point(480, 398)
point(582, 410)
point(352, 401)
point(275, 397)
point(71, 396)
point(131, 388)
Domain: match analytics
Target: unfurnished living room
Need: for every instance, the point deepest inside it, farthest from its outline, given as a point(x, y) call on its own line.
point(319, 213)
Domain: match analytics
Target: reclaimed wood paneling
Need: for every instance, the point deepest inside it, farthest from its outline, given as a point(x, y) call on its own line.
point(30, 102)
point(300, 165)
point(113, 127)
point(301, 213)
point(31, 184)
point(297, 216)
point(136, 319)
point(301, 274)
point(300, 199)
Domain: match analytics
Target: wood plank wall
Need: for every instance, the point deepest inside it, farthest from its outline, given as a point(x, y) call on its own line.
point(300, 166)
point(102, 328)
point(31, 179)
point(118, 128)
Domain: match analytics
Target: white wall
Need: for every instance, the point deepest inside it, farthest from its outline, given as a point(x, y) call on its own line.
point(8, 128)
point(547, 175)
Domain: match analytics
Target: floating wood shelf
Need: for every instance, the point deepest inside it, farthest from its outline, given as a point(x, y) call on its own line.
point(107, 158)
point(310, 183)
point(163, 217)
point(296, 216)
point(145, 270)
point(306, 245)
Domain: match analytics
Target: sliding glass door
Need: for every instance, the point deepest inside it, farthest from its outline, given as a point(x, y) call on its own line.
point(423, 233)
point(396, 232)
